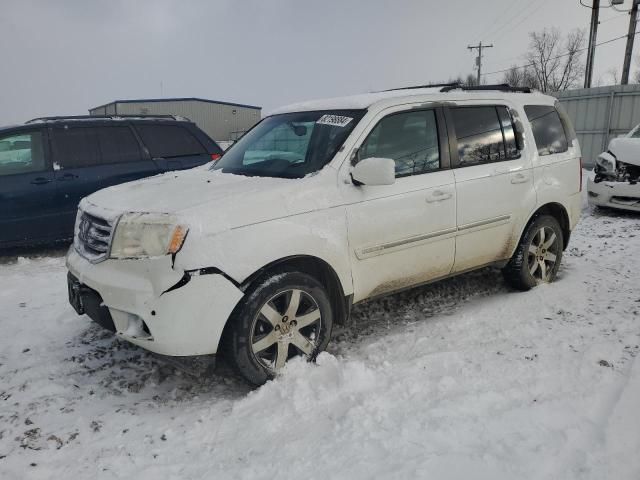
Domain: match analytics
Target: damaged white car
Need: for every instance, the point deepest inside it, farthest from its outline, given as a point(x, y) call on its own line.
point(617, 174)
point(323, 205)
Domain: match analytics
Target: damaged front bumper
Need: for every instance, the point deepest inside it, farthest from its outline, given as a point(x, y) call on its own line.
point(613, 194)
point(148, 303)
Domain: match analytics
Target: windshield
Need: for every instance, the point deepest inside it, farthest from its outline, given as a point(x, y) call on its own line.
point(290, 145)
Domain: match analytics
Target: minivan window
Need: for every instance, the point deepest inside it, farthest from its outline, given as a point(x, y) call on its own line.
point(165, 141)
point(548, 130)
point(118, 145)
point(75, 147)
point(21, 153)
point(479, 134)
point(409, 138)
point(290, 145)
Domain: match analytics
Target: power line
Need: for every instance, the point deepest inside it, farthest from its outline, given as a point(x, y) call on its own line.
point(501, 17)
point(526, 11)
point(558, 56)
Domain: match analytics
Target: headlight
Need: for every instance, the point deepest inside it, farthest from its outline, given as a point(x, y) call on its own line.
point(147, 235)
point(606, 163)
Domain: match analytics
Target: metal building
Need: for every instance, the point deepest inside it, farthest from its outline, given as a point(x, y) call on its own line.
point(222, 121)
point(600, 114)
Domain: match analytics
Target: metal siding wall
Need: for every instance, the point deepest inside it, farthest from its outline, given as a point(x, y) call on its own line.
point(600, 114)
point(217, 120)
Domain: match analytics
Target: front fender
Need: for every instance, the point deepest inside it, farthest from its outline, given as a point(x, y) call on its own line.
point(240, 252)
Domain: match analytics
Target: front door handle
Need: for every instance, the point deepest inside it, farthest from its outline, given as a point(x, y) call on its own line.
point(519, 178)
point(40, 181)
point(439, 196)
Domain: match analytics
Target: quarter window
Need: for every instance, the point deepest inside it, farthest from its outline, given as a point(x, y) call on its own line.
point(409, 138)
point(21, 153)
point(169, 141)
point(548, 130)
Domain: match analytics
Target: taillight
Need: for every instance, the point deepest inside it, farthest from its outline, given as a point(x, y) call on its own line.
point(580, 173)
point(215, 156)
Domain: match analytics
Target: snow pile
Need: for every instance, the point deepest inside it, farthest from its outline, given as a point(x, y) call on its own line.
point(460, 379)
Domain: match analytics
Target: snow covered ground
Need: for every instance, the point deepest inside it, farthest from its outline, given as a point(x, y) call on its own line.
point(464, 379)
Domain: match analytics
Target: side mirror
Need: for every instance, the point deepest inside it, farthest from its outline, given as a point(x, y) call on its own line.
point(374, 171)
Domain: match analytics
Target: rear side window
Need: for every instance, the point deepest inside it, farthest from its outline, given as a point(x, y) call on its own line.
point(21, 153)
point(485, 135)
point(118, 145)
point(548, 130)
point(75, 147)
point(169, 141)
point(410, 139)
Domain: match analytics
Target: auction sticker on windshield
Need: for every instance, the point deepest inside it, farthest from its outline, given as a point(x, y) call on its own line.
point(334, 120)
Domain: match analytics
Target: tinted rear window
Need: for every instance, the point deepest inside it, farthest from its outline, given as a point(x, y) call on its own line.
point(169, 140)
point(548, 130)
point(118, 145)
point(479, 135)
point(76, 147)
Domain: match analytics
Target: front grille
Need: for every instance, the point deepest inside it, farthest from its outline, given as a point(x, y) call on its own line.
point(93, 236)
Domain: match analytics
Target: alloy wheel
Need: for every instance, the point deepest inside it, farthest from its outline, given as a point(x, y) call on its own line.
point(287, 325)
point(542, 254)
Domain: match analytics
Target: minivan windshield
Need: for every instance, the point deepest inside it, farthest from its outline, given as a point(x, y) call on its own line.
point(290, 145)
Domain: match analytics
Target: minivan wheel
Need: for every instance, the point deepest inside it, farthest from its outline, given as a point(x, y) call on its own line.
point(538, 256)
point(283, 316)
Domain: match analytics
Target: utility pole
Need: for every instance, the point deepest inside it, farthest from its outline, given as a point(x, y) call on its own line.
point(630, 37)
point(479, 47)
point(593, 33)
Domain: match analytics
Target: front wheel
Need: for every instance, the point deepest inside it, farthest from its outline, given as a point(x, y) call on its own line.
point(537, 258)
point(283, 316)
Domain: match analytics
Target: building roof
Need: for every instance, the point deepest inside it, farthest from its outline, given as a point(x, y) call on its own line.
point(179, 99)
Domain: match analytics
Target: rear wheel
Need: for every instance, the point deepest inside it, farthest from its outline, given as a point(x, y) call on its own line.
point(283, 316)
point(537, 258)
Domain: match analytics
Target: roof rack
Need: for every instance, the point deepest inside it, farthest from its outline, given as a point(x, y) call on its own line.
point(502, 87)
point(431, 85)
point(105, 117)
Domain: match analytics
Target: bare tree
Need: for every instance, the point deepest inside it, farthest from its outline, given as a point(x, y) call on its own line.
point(613, 75)
point(556, 64)
point(520, 77)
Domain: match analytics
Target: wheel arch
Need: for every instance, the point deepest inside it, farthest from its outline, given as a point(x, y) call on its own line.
point(557, 211)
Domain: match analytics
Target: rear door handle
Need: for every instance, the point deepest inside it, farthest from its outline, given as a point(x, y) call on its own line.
point(40, 181)
point(439, 196)
point(67, 176)
point(519, 178)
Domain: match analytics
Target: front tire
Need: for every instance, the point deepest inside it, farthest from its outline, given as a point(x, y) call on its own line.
point(283, 315)
point(538, 256)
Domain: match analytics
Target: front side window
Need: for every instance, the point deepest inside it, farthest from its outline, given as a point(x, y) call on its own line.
point(290, 145)
point(409, 138)
point(479, 134)
point(21, 153)
point(548, 130)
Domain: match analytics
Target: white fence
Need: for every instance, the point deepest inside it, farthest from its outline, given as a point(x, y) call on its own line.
point(600, 114)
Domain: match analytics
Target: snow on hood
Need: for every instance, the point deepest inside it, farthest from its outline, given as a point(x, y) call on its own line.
point(210, 197)
point(626, 149)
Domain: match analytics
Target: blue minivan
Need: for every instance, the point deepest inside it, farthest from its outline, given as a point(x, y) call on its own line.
point(47, 165)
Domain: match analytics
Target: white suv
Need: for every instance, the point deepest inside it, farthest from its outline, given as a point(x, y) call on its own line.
point(322, 205)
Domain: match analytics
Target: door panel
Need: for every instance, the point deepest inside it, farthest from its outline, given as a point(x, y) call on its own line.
point(494, 186)
point(27, 188)
point(403, 234)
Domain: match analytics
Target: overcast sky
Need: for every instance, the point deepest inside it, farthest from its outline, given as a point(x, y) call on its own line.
point(65, 56)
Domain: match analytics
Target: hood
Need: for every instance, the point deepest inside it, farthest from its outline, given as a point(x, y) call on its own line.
point(212, 199)
point(626, 150)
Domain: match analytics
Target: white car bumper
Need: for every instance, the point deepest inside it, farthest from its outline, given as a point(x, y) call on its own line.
point(154, 306)
point(621, 195)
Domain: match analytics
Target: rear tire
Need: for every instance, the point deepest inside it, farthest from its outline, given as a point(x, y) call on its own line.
point(538, 255)
point(284, 315)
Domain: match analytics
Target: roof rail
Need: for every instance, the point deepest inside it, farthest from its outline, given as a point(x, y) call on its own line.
point(105, 117)
point(431, 85)
point(502, 87)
